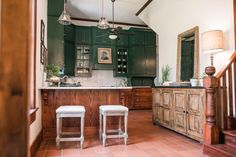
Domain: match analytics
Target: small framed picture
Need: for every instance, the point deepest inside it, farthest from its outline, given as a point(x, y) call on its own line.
point(45, 57)
point(42, 31)
point(104, 56)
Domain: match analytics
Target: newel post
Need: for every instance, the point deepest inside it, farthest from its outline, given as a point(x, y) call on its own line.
point(211, 134)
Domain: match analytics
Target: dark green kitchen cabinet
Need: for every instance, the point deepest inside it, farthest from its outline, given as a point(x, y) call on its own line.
point(121, 61)
point(69, 58)
point(150, 61)
point(123, 39)
point(55, 41)
point(150, 38)
point(101, 36)
point(142, 61)
point(83, 35)
point(99, 66)
point(69, 33)
point(142, 37)
point(55, 7)
point(136, 61)
point(137, 38)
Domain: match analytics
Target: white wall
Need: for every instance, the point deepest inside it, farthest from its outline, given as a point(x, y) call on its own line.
point(36, 127)
point(168, 18)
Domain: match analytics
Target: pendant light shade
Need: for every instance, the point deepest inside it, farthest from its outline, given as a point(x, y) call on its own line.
point(103, 24)
point(64, 19)
point(113, 36)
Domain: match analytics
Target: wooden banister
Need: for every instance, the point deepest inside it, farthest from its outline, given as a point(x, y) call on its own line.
point(227, 64)
point(220, 99)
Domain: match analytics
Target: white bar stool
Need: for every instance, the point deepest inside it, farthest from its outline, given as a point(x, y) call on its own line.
point(65, 112)
point(113, 110)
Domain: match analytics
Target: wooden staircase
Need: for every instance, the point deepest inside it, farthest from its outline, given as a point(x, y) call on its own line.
point(220, 125)
point(228, 149)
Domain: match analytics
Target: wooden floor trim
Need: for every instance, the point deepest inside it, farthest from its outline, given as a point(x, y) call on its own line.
point(36, 144)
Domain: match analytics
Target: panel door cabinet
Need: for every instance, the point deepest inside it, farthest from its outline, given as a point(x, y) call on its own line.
point(180, 109)
point(83, 35)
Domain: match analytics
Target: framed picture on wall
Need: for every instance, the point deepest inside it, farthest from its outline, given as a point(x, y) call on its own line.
point(45, 58)
point(104, 56)
point(42, 53)
point(42, 31)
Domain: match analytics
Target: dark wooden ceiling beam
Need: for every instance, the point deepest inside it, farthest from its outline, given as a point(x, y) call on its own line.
point(143, 7)
point(118, 23)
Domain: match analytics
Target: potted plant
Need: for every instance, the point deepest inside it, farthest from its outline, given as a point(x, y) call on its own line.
point(165, 73)
point(53, 74)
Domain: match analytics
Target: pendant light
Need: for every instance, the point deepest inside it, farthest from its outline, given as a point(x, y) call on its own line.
point(103, 24)
point(64, 19)
point(113, 35)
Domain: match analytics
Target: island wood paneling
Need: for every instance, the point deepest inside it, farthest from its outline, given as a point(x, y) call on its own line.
point(91, 99)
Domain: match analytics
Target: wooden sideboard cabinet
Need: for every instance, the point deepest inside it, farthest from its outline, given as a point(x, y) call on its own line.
point(180, 109)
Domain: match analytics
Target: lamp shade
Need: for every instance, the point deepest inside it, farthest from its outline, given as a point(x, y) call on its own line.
point(212, 41)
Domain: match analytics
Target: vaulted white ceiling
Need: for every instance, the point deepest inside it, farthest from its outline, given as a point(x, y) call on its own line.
point(92, 9)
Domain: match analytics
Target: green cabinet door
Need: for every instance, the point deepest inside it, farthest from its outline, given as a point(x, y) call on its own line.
point(83, 35)
point(69, 58)
point(103, 66)
point(136, 61)
point(137, 38)
point(55, 7)
point(150, 61)
point(123, 39)
point(69, 33)
point(150, 38)
point(55, 41)
point(101, 36)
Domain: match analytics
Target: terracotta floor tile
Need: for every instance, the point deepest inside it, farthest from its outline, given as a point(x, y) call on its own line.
point(145, 140)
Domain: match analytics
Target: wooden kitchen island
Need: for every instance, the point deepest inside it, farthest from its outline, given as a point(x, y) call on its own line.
point(91, 98)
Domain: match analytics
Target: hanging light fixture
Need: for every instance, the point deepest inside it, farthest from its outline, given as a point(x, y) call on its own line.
point(64, 19)
point(113, 34)
point(103, 24)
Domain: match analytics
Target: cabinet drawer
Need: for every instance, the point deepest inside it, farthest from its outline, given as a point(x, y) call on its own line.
point(143, 99)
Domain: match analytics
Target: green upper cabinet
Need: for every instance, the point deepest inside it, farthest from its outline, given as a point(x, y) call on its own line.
point(123, 39)
point(69, 33)
point(103, 66)
point(83, 35)
point(142, 61)
point(136, 61)
point(150, 61)
point(142, 37)
point(101, 36)
point(69, 58)
point(150, 38)
point(55, 41)
point(137, 38)
point(55, 7)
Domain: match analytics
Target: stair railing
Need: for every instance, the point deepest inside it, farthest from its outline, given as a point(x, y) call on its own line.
point(220, 99)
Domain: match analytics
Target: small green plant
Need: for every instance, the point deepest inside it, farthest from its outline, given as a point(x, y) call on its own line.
point(52, 70)
point(165, 73)
point(202, 75)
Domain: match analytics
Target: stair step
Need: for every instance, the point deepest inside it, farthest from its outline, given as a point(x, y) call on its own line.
point(230, 138)
point(231, 123)
point(219, 150)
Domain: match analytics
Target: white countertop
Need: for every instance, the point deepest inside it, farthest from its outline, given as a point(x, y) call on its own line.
point(82, 87)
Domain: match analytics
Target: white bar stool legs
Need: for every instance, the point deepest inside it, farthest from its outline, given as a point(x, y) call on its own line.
point(65, 112)
point(112, 110)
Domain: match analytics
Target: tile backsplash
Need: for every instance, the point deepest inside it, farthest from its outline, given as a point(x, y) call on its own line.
point(99, 78)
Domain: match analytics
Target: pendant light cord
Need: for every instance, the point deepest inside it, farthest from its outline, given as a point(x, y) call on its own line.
point(113, 13)
point(102, 8)
point(65, 1)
